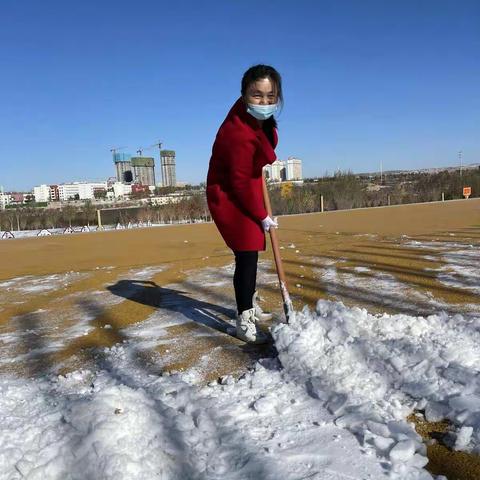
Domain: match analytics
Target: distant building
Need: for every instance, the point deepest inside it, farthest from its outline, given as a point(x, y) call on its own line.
point(134, 169)
point(171, 198)
point(86, 191)
point(123, 167)
point(4, 200)
point(68, 191)
point(167, 161)
point(267, 170)
point(41, 193)
point(143, 169)
point(14, 198)
point(279, 172)
point(276, 172)
point(294, 169)
point(138, 188)
point(54, 193)
point(18, 198)
point(284, 170)
point(121, 189)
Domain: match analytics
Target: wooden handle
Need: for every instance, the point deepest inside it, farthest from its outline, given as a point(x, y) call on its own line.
point(287, 303)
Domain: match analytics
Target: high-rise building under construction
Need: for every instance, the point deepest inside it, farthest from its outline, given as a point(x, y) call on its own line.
point(134, 169)
point(167, 159)
point(143, 170)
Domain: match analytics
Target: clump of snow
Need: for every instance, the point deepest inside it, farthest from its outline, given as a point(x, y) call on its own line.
point(126, 423)
point(371, 371)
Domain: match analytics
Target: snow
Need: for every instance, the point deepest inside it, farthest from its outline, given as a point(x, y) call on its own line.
point(125, 424)
point(461, 269)
point(332, 405)
point(371, 371)
point(46, 283)
point(458, 271)
point(336, 386)
point(69, 230)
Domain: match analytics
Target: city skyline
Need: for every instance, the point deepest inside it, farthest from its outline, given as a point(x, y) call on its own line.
point(364, 83)
point(430, 169)
point(123, 158)
point(134, 175)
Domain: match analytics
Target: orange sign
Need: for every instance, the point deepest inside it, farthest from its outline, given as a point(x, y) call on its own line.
point(467, 191)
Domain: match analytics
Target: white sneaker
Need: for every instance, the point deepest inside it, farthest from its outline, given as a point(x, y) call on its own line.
point(259, 313)
point(247, 328)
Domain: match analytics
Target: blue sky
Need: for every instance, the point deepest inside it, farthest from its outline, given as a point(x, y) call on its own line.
point(364, 82)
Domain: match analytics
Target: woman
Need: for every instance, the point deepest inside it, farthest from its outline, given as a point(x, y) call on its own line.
point(244, 144)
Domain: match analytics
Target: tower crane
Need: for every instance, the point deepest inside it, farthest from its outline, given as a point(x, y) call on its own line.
point(142, 149)
point(158, 144)
point(115, 149)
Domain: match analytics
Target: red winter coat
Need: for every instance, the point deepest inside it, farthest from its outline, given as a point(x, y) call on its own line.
point(234, 182)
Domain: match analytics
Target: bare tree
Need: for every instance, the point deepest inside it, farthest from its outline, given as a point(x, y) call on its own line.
point(88, 212)
point(52, 215)
point(68, 213)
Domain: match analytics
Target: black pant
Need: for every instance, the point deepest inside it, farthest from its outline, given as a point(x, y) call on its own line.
point(245, 279)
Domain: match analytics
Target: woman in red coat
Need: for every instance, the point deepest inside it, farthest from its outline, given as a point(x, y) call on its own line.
point(244, 144)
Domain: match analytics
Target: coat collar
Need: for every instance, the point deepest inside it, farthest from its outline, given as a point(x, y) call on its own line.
point(239, 110)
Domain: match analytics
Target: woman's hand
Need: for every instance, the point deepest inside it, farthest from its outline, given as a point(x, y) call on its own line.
point(268, 223)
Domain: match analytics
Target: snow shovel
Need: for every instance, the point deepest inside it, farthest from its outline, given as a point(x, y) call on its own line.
point(287, 303)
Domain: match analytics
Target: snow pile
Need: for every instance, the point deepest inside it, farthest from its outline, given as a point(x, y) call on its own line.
point(123, 422)
point(371, 371)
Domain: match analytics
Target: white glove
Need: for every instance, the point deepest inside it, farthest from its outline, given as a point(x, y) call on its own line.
point(268, 223)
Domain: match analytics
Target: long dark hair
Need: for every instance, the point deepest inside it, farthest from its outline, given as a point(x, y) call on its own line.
point(258, 72)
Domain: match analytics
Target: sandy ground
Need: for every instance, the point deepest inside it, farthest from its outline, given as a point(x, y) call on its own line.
point(119, 279)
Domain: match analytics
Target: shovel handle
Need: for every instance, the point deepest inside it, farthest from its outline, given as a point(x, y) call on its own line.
point(287, 303)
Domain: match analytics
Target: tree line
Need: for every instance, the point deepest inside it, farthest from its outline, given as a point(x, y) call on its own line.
point(188, 209)
point(343, 190)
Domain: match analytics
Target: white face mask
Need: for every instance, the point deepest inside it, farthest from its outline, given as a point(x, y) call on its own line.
point(262, 112)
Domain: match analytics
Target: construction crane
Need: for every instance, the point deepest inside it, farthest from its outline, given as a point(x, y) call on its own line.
point(158, 144)
point(115, 149)
point(142, 149)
